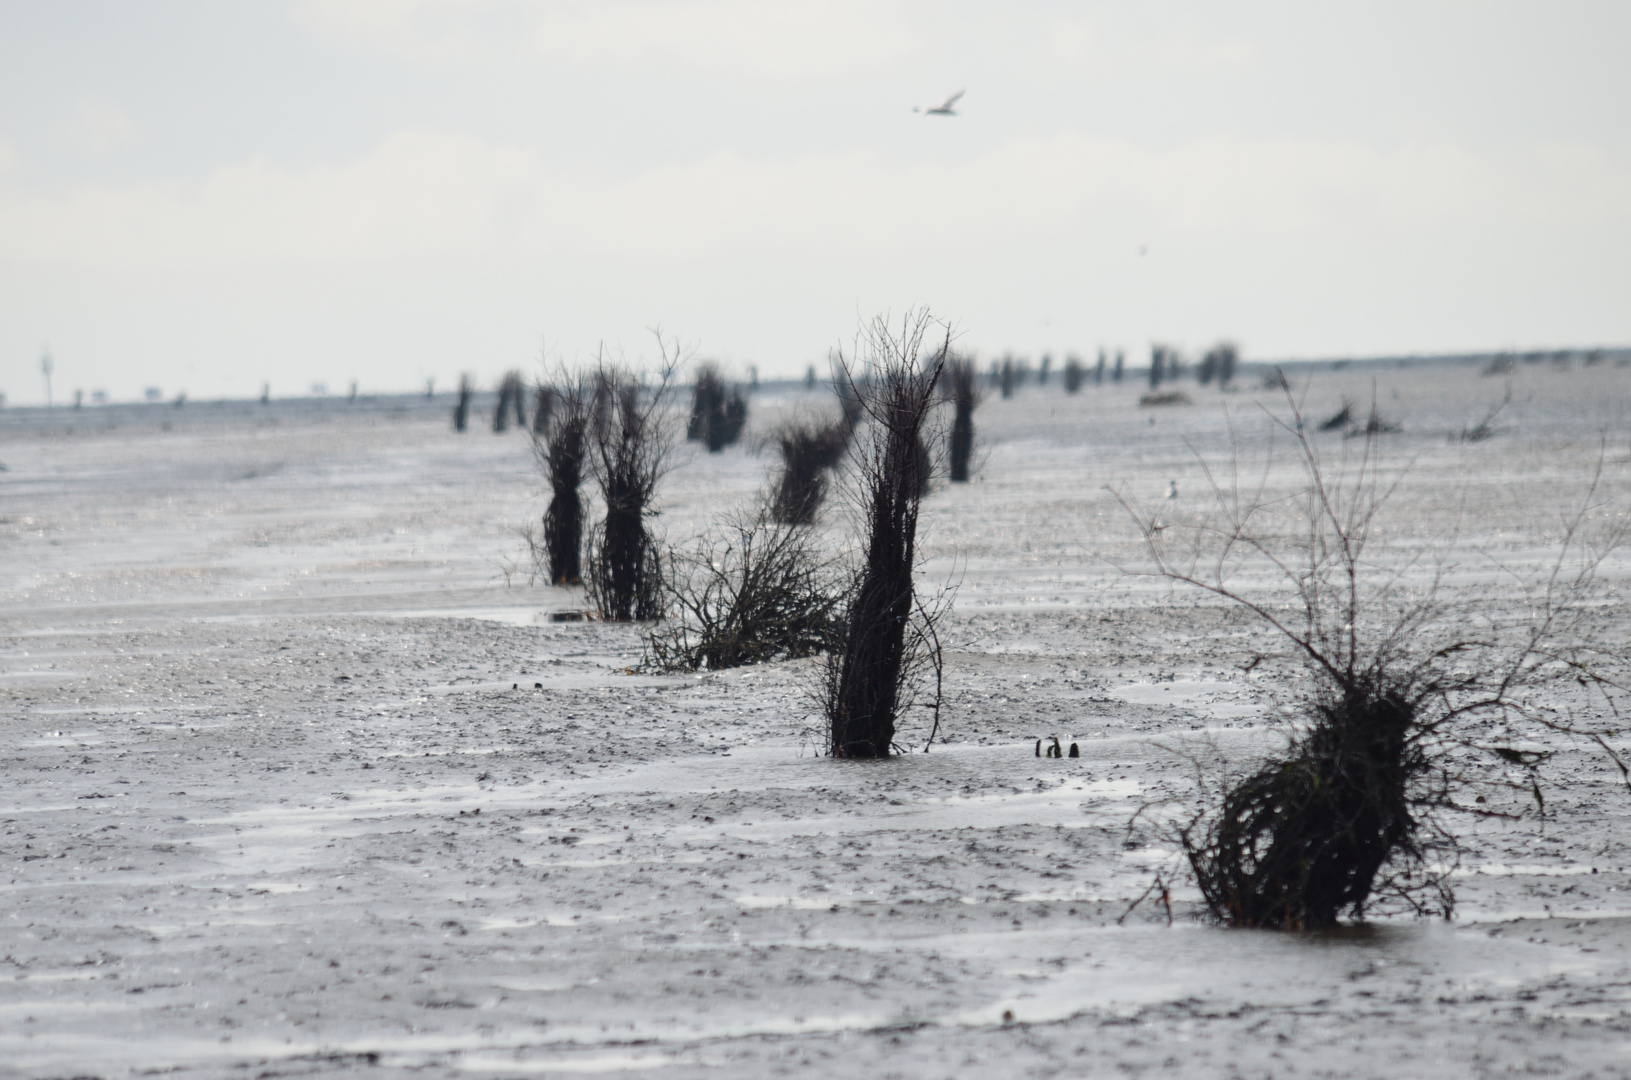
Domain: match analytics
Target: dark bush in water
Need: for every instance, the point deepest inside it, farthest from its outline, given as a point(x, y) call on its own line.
point(629, 446)
point(808, 452)
point(868, 674)
point(461, 411)
point(760, 592)
point(964, 396)
point(1401, 681)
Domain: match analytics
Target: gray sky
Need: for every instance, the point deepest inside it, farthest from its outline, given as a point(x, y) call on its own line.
point(202, 196)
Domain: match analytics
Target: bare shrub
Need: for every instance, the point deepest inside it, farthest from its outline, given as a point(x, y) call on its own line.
point(1339, 420)
point(1007, 377)
point(629, 445)
point(1164, 397)
point(809, 451)
point(965, 395)
point(706, 392)
point(511, 398)
point(1218, 363)
point(1073, 374)
point(461, 411)
point(543, 403)
point(759, 592)
point(733, 418)
point(1165, 365)
point(1121, 362)
point(1375, 424)
point(560, 448)
point(707, 404)
point(1402, 680)
point(717, 415)
point(1275, 379)
point(1485, 428)
point(849, 392)
point(886, 638)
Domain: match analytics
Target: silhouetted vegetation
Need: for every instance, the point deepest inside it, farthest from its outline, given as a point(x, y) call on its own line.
point(543, 401)
point(849, 399)
point(1400, 680)
point(1485, 428)
point(511, 399)
point(560, 447)
point(1073, 374)
point(1165, 365)
point(707, 404)
point(628, 449)
point(809, 452)
point(964, 396)
point(885, 639)
point(461, 411)
point(717, 415)
point(1339, 420)
point(1218, 363)
point(760, 592)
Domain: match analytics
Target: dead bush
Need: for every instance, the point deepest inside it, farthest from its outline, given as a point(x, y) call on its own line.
point(707, 402)
point(560, 447)
point(511, 399)
point(1485, 428)
point(809, 452)
point(886, 638)
point(543, 403)
point(1401, 678)
point(1218, 363)
point(461, 411)
point(1073, 373)
point(732, 419)
point(1339, 420)
point(755, 591)
point(965, 395)
point(629, 444)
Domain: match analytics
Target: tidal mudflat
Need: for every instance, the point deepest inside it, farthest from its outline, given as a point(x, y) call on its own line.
point(300, 777)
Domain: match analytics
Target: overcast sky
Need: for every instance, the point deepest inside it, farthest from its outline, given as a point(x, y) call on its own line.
point(202, 196)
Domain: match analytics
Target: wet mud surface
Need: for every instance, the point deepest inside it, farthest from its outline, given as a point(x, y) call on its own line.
point(301, 780)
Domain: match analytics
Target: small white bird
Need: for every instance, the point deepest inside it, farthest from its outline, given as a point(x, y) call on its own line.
point(942, 109)
point(1172, 489)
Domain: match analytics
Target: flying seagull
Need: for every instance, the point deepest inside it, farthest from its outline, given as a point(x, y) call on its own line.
point(942, 109)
